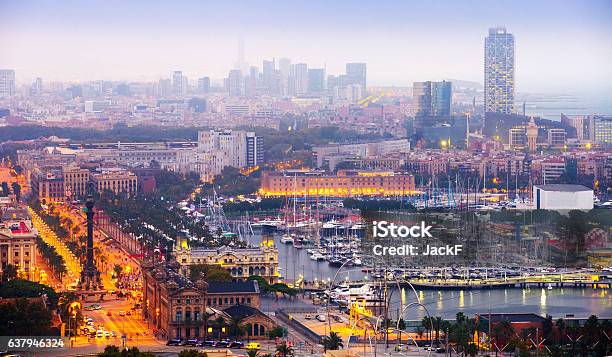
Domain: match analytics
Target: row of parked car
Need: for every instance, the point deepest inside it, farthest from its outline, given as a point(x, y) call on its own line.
point(198, 342)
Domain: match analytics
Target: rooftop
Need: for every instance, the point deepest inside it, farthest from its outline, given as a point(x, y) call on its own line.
point(510, 317)
point(563, 188)
point(233, 287)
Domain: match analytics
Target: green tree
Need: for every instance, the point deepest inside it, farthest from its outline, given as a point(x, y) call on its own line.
point(252, 353)
point(114, 351)
point(192, 353)
point(16, 190)
point(264, 286)
point(18, 288)
point(332, 342)
point(9, 272)
point(117, 269)
point(235, 329)
point(284, 350)
point(24, 318)
point(209, 273)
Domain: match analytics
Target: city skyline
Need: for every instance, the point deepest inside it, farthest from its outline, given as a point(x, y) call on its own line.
point(143, 43)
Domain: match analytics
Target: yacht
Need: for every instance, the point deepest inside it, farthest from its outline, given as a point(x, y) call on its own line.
point(287, 239)
point(317, 256)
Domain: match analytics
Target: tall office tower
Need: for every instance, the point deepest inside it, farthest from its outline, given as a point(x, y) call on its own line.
point(164, 88)
point(356, 74)
point(332, 83)
point(7, 83)
point(270, 77)
point(234, 83)
point(499, 71)
point(301, 78)
point(432, 98)
point(177, 83)
point(204, 85)
point(38, 86)
point(255, 149)
point(240, 62)
point(284, 66)
point(316, 81)
point(284, 69)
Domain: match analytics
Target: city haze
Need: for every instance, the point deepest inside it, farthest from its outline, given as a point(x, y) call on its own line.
point(558, 44)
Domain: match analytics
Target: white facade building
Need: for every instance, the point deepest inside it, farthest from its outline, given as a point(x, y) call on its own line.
point(562, 197)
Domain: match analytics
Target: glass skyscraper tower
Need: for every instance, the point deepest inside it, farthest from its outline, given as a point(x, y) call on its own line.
point(499, 71)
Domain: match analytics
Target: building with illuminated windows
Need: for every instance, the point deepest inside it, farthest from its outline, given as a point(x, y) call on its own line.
point(115, 180)
point(602, 130)
point(346, 183)
point(239, 262)
point(18, 241)
point(499, 71)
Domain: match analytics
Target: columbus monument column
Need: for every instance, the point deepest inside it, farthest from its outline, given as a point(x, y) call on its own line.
point(90, 281)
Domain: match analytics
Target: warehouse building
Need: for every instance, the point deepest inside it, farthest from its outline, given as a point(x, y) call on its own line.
point(562, 197)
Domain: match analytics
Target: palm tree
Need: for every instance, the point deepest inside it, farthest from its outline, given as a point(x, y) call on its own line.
point(332, 342)
point(234, 327)
point(220, 322)
point(561, 326)
point(206, 318)
point(427, 322)
point(284, 350)
point(117, 269)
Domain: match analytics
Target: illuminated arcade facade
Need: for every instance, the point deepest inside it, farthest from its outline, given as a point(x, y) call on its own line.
point(346, 183)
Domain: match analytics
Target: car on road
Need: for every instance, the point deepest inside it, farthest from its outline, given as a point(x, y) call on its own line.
point(100, 333)
point(107, 334)
point(236, 344)
point(254, 346)
point(207, 343)
point(321, 317)
point(191, 342)
point(113, 334)
point(128, 313)
point(96, 307)
point(121, 313)
point(223, 343)
point(174, 342)
point(308, 317)
point(89, 308)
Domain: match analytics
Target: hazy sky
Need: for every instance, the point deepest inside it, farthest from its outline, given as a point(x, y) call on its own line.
point(561, 45)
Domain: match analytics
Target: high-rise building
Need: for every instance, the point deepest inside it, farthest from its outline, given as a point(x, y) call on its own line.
point(356, 74)
point(499, 71)
point(316, 81)
point(434, 98)
point(284, 69)
point(301, 78)
point(234, 83)
point(432, 101)
point(602, 130)
point(7, 83)
point(177, 83)
point(556, 137)
point(164, 88)
point(270, 77)
point(517, 137)
point(204, 85)
point(255, 149)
